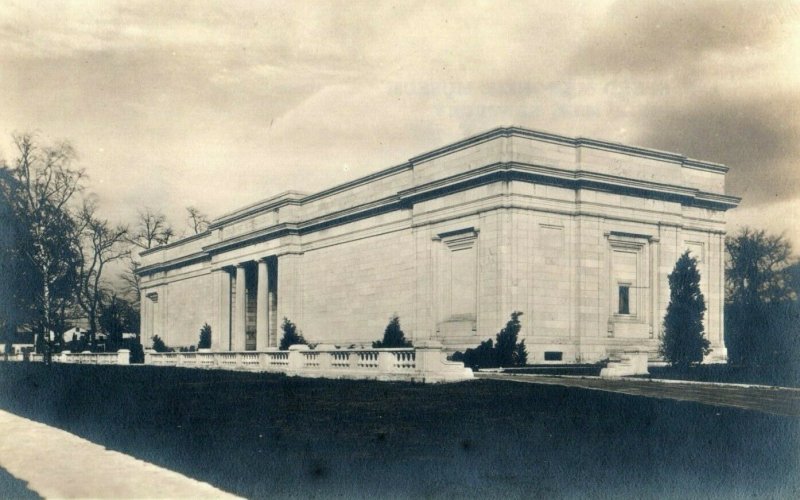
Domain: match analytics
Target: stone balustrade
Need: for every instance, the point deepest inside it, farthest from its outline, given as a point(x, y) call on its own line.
point(121, 357)
point(424, 363)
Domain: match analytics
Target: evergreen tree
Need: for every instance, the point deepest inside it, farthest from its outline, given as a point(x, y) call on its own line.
point(159, 345)
point(483, 356)
point(205, 337)
point(683, 342)
point(393, 336)
point(290, 335)
point(505, 352)
point(506, 345)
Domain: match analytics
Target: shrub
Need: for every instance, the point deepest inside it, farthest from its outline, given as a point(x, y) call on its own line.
point(505, 352)
point(290, 335)
point(159, 345)
point(682, 342)
point(205, 337)
point(508, 351)
point(483, 356)
point(137, 352)
point(393, 336)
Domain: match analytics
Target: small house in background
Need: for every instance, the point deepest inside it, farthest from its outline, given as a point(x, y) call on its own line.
point(75, 333)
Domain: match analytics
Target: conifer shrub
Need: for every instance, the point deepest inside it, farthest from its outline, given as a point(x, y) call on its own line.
point(683, 342)
point(159, 345)
point(393, 336)
point(506, 351)
point(290, 335)
point(137, 352)
point(205, 337)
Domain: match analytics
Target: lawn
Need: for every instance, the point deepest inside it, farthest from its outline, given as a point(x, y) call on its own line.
point(262, 435)
point(785, 376)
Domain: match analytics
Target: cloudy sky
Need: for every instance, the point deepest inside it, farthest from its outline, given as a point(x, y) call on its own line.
point(219, 105)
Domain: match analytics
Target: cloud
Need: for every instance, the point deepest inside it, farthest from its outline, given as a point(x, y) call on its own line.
point(782, 217)
point(219, 105)
point(757, 136)
point(663, 36)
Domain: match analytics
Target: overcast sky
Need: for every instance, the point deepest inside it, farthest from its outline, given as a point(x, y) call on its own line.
point(220, 105)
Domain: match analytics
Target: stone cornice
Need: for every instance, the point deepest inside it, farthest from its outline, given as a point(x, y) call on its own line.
point(569, 141)
point(281, 200)
point(173, 263)
point(386, 172)
point(565, 178)
point(267, 233)
point(298, 198)
point(176, 243)
point(484, 175)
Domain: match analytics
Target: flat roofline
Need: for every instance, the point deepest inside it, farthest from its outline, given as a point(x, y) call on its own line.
point(569, 141)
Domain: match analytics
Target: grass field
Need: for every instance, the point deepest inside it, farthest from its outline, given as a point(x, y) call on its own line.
point(260, 435)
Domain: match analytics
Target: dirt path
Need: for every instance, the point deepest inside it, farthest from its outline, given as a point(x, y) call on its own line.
point(57, 464)
point(775, 400)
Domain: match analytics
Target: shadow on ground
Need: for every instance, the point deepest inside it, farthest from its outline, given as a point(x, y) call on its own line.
point(260, 435)
point(11, 487)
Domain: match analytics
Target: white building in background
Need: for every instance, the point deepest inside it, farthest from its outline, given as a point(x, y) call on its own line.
point(578, 234)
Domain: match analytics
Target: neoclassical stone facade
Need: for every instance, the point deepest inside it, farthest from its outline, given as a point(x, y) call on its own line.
point(578, 234)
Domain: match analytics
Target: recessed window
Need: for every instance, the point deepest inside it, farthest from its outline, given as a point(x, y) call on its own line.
point(553, 355)
point(624, 299)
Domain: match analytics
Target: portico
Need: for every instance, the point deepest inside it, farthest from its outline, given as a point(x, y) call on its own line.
point(247, 304)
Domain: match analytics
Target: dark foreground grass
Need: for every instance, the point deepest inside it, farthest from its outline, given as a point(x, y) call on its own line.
point(261, 435)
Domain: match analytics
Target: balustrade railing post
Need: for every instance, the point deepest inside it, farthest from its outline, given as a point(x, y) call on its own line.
point(296, 358)
point(354, 360)
point(325, 361)
point(428, 354)
point(123, 357)
point(385, 361)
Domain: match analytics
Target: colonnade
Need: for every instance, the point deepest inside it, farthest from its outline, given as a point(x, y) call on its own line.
point(241, 320)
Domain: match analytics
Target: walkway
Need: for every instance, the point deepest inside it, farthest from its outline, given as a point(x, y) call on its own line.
point(57, 464)
point(775, 400)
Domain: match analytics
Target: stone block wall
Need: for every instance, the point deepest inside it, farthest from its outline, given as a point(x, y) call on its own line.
point(351, 289)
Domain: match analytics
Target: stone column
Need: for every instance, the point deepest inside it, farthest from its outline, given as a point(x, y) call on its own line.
point(239, 335)
point(262, 309)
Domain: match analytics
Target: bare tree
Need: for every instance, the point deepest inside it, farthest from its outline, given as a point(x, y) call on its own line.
point(755, 270)
point(99, 244)
point(151, 230)
point(198, 221)
point(761, 308)
point(46, 183)
point(132, 281)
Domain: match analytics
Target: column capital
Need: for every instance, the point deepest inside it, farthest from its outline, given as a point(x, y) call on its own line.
point(226, 268)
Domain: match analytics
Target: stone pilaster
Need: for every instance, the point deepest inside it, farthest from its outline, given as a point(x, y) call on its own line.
point(290, 290)
point(221, 333)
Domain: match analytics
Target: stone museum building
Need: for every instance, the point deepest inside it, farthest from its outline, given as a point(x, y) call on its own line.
point(578, 234)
